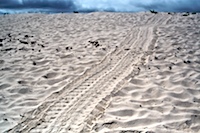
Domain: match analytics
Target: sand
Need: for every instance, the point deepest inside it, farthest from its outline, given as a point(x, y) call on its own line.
point(100, 72)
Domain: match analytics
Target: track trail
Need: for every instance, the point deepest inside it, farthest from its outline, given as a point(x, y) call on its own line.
point(75, 107)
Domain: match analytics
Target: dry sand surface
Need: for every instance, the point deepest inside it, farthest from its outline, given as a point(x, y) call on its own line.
point(100, 73)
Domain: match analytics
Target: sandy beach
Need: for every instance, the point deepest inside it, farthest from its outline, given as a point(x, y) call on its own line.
point(100, 73)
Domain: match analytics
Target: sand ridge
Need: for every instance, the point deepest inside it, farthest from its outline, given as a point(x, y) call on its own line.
point(100, 72)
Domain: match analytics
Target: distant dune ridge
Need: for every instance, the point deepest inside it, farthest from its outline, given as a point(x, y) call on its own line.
point(100, 73)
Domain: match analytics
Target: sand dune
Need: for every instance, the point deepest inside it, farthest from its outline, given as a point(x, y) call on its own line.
point(100, 72)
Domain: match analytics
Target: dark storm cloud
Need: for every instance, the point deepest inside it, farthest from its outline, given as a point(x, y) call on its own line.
point(66, 5)
point(188, 5)
point(171, 5)
point(8, 3)
point(100, 5)
point(141, 5)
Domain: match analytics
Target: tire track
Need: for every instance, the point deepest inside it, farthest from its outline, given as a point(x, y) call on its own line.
point(66, 101)
point(137, 60)
point(86, 101)
point(115, 71)
point(150, 33)
point(68, 109)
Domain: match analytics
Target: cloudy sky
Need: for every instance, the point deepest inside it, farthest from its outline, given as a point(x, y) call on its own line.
point(16, 6)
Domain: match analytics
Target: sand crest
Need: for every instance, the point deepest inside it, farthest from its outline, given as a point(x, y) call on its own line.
point(100, 72)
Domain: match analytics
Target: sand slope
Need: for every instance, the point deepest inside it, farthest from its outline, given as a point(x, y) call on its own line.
point(41, 54)
point(164, 96)
point(100, 72)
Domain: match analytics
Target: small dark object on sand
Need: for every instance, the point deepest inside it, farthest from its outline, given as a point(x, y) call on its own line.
point(23, 42)
point(19, 82)
point(45, 76)
point(9, 35)
point(156, 58)
point(187, 62)
point(42, 46)
point(1, 45)
point(5, 119)
point(26, 36)
point(8, 49)
point(34, 63)
point(33, 42)
point(186, 14)
point(152, 11)
point(23, 48)
point(95, 43)
point(126, 49)
point(1, 40)
point(68, 48)
point(104, 49)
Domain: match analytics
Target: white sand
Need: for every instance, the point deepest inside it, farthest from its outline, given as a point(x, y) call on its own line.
point(140, 73)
